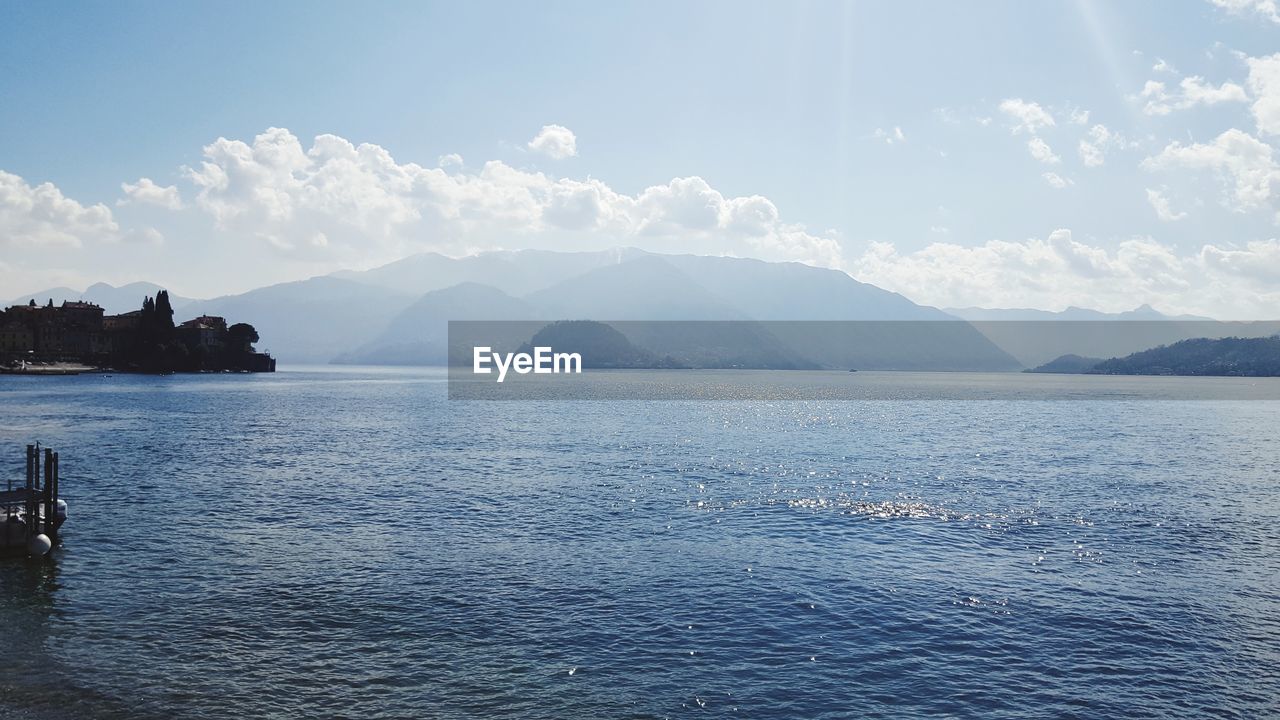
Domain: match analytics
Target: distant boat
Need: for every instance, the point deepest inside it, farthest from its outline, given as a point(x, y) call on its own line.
point(853, 370)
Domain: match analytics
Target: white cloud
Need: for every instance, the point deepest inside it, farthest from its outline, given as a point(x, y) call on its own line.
point(341, 202)
point(1079, 117)
point(555, 141)
point(1161, 205)
point(1266, 9)
point(1156, 95)
point(1092, 148)
point(1192, 91)
point(890, 136)
point(42, 216)
point(1162, 66)
point(1041, 151)
point(1224, 282)
point(277, 191)
point(1027, 116)
point(1196, 91)
point(147, 192)
point(145, 235)
point(1243, 163)
point(1258, 262)
point(1057, 180)
point(1264, 83)
point(1090, 154)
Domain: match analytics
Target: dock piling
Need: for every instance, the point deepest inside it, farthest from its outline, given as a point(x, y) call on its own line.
point(32, 504)
point(50, 478)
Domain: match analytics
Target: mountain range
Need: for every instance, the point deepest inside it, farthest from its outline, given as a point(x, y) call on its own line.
point(1142, 312)
point(1076, 338)
point(1230, 356)
point(398, 313)
point(114, 300)
point(644, 290)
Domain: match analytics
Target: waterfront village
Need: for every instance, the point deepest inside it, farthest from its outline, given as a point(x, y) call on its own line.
point(78, 336)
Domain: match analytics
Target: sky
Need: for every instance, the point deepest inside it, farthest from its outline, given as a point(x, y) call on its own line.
point(994, 154)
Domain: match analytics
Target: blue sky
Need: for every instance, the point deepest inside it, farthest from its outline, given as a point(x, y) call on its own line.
point(931, 148)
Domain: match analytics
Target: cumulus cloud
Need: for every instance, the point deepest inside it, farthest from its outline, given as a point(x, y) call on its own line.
point(1191, 91)
point(1266, 9)
point(339, 200)
point(1160, 204)
point(41, 216)
point(1224, 282)
point(555, 141)
point(1026, 116)
point(1242, 162)
point(1041, 151)
point(1264, 83)
point(1198, 92)
point(297, 198)
point(148, 193)
point(1258, 261)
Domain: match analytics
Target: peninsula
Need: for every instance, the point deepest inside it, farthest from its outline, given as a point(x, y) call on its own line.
point(78, 336)
point(1232, 356)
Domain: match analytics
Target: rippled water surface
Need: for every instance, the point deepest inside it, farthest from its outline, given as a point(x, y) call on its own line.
point(352, 544)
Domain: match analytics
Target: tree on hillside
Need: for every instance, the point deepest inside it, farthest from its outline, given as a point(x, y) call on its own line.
point(164, 311)
point(157, 348)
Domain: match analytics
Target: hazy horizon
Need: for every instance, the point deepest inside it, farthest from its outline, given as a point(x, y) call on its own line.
point(345, 273)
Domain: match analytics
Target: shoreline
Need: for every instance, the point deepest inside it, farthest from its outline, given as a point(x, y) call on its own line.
point(65, 369)
point(53, 368)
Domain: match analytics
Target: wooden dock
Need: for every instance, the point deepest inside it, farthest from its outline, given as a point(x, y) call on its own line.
point(33, 513)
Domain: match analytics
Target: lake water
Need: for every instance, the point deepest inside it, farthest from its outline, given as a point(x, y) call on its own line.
point(350, 543)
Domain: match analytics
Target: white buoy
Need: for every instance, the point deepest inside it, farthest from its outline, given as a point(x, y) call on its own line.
point(39, 545)
point(62, 510)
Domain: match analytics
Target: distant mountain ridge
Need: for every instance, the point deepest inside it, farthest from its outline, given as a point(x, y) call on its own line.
point(631, 285)
point(1229, 356)
point(311, 321)
point(1069, 364)
point(1067, 340)
point(1142, 312)
point(398, 313)
point(516, 272)
point(418, 334)
point(113, 300)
